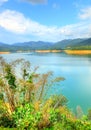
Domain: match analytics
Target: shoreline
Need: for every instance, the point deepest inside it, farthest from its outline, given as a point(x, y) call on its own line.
point(69, 52)
point(78, 52)
point(48, 51)
point(38, 51)
point(6, 52)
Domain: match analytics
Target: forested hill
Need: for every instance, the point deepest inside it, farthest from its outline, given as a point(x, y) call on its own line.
point(40, 45)
point(25, 46)
point(73, 44)
point(67, 43)
point(85, 44)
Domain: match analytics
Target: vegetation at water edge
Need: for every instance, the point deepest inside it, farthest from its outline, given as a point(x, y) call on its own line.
point(26, 105)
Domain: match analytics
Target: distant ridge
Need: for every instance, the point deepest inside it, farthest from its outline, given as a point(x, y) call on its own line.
point(25, 46)
point(79, 43)
point(2, 44)
point(68, 43)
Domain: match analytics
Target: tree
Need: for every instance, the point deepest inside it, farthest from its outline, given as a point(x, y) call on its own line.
point(19, 83)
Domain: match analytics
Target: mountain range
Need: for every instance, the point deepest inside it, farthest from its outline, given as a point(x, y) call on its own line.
point(40, 45)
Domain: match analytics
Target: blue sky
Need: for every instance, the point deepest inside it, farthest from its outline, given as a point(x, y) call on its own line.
point(45, 20)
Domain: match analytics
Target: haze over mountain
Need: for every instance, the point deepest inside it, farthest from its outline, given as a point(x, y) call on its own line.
point(40, 45)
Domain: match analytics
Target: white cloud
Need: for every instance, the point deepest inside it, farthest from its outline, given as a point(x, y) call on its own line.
point(85, 13)
point(17, 23)
point(36, 1)
point(2, 1)
point(12, 21)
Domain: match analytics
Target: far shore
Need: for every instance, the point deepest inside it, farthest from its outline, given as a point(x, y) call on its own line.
point(4, 52)
point(78, 52)
point(39, 51)
point(69, 52)
point(47, 51)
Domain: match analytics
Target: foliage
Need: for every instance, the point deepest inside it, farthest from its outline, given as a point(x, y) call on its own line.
point(5, 118)
point(58, 100)
point(30, 86)
point(89, 114)
point(83, 47)
point(48, 118)
point(24, 116)
point(23, 104)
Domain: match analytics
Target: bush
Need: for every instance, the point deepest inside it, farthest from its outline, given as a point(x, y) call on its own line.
point(25, 116)
point(22, 104)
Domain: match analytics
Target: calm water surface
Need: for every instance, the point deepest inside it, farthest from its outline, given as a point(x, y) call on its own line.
point(75, 69)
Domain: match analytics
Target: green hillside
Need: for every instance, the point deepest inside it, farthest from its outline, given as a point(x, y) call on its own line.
point(73, 44)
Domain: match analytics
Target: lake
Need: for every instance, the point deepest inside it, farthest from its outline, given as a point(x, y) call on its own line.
point(75, 69)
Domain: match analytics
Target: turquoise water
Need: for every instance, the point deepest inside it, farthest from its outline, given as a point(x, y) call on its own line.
point(75, 69)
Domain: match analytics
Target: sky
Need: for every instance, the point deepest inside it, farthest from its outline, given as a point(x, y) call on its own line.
point(44, 20)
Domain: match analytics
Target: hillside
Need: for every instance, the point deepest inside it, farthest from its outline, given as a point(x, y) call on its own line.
point(26, 46)
point(71, 44)
point(34, 45)
point(4, 47)
point(83, 45)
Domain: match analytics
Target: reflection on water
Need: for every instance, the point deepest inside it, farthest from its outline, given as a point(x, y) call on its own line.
point(75, 69)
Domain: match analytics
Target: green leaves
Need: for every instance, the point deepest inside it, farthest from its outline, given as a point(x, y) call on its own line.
point(10, 76)
point(25, 116)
